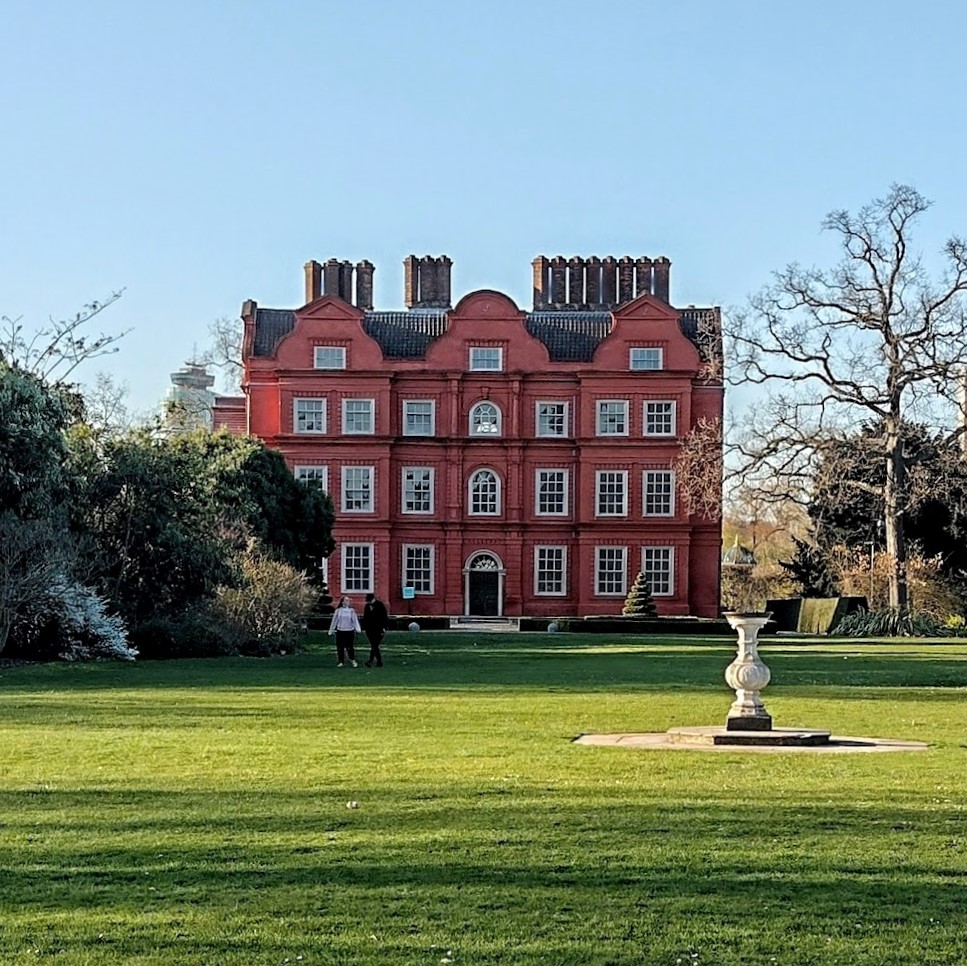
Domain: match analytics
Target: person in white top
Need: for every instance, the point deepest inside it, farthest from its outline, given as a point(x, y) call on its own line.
point(345, 625)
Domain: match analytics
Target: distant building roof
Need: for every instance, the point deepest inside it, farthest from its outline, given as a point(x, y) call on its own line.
point(738, 556)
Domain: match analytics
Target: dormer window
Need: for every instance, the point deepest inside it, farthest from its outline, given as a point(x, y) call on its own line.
point(486, 358)
point(329, 357)
point(645, 359)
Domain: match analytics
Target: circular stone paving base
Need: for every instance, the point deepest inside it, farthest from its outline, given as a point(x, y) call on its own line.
point(783, 739)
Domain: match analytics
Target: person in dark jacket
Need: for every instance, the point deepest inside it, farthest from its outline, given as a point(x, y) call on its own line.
point(375, 621)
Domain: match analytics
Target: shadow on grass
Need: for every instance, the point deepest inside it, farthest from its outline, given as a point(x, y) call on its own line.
point(830, 861)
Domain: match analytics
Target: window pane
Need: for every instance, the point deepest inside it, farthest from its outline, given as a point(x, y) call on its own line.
point(330, 357)
point(613, 417)
point(486, 358)
point(611, 492)
point(658, 487)
point(659, 419)
point(485, 419)
point(313, 476)
point(552, 491)
point(418, 569)
point(484, 493)
point(611, 570)
point(656, 565)
point(646, 359)
point(418, 490)
point(357, 415)
point(418, 418)
point(552, 419)
point(310, 415)
point(357, 567)
point(549, 570)
point(357, 489)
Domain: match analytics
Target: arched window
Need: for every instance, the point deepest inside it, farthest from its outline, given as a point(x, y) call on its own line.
point(485, 492)
point(485, 420)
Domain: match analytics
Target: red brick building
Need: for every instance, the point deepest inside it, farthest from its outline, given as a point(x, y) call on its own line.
point(492, 460)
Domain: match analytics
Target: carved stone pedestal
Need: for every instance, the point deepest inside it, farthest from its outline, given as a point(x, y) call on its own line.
point(747, 675)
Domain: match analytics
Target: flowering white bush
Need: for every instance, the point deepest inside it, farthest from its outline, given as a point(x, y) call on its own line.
point(86, 632)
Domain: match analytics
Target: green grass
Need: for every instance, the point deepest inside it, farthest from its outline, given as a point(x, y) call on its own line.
point(196, 811)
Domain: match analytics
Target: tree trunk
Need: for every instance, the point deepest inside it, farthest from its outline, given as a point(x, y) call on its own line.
point(896, 547)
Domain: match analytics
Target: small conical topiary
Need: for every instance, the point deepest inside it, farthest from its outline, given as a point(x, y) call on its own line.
point(639, 602)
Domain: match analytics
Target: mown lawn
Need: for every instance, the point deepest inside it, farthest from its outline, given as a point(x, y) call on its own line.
point(196, 811)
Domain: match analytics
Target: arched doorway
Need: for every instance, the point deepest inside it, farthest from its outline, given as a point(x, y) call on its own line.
point(483, 582)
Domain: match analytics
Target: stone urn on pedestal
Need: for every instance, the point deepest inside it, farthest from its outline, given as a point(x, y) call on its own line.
point(747, 675)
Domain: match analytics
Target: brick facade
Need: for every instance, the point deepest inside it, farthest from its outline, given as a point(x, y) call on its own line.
point(495, 460)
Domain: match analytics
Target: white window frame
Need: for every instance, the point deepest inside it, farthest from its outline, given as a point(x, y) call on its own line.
point(650, 482)
point(600, 427)
point(497, 493)
point(639, 355)
point(475, 431)
point(612, 553)
point(370, 405)
point(320, 414)
point(363, 586)
point(481, 357)
point(337, 354)
point(647, 419)
point(540, 571)
point(312, 474)
point(599, 480)
point(431, 479)
point(666, 570)
point(407, 430)
point(431, 568)
point(563, 415)
point(370, 473)
point(565, 494)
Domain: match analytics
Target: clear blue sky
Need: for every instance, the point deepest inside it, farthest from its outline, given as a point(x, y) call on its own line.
point(199, 153)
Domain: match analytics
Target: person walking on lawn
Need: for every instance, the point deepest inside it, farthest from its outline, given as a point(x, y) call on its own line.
point(345, 625)
point(375, 621)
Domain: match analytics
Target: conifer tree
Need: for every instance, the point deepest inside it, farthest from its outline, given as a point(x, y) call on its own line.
point(639, 602)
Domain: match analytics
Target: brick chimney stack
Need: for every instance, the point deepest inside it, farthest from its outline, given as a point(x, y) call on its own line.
point(542, 282)
point(428, 288)
point(364, 285)
point(626, 279)
point(643, 277)
point(592, 280)
point(346, 281)
point(411, 281)
point(558, 282)
point(427, 282)
point(575, 281)
point(662, 267)
point(609, 280)
point(330, 273)
point(443, 267)
point(313, 272)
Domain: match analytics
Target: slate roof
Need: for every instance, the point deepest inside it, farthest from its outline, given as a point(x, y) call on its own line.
point(405, 335)
point(570, 336)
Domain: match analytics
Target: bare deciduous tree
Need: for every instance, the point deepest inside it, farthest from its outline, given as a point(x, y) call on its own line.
point(224, 352)
point(55, 350)
point(874, 340)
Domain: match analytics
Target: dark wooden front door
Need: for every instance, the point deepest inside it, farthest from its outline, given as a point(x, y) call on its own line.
point(484, 590)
